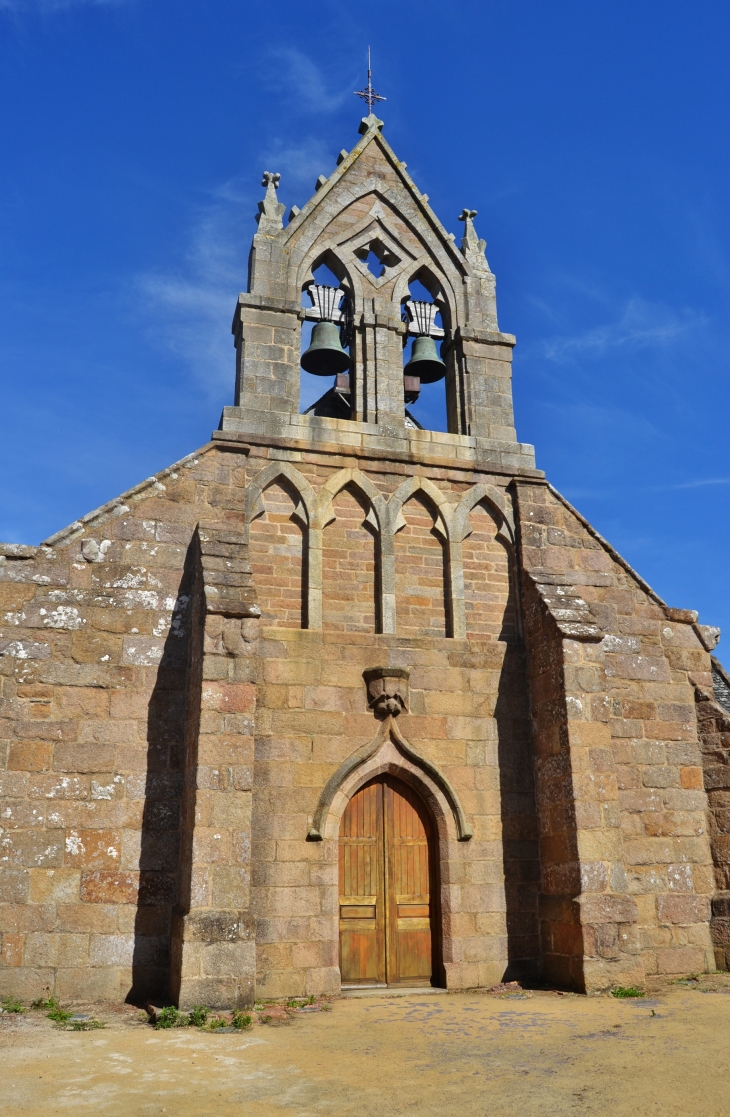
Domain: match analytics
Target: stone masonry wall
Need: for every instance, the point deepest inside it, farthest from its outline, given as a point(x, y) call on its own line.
point(106, 811)
point(93, 664)
point(467, 716)
point(631, 752)
point(714, 727)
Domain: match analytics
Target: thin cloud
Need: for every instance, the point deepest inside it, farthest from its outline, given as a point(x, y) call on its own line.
point(300, 165)
point(300, 81)
point(700, 484)
point(640, 325)
point(189, 310)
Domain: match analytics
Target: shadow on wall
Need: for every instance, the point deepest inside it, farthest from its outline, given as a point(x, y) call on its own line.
point(160, 850)
point(520, 849)
point(520, 834)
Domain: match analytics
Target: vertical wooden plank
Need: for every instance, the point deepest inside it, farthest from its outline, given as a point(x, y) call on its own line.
point(362, 907)
point(407, 833)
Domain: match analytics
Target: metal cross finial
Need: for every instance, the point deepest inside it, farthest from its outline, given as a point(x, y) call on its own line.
point(368, 94)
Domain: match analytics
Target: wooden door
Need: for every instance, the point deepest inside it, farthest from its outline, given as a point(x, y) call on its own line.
point(385, 890)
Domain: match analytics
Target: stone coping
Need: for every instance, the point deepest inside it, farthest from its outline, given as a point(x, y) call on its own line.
point(240, 441)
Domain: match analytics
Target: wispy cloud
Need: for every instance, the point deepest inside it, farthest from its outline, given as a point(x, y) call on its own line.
point(699, 484)
point(300, 164)
point(639, 325)
point(188, 310)
point(291, 73)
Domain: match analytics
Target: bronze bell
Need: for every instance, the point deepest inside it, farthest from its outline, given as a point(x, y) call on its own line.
point(325, 356)
point(425, 361)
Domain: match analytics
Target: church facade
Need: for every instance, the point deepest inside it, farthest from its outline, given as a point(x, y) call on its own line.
point(337, 700)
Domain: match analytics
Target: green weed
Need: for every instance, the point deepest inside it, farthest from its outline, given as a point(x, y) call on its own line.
point(169, 1017)
point(198, 1016)
point(12, 1004)
point(242, 1020)
point(40, 1004)
point(627, 991)
point(58, 1015)
point(86, 1025)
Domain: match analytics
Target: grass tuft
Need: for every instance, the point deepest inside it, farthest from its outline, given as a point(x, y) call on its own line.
point(40, 1004)
point(169, 1017)
point(198, 1016)
point(12, 1004)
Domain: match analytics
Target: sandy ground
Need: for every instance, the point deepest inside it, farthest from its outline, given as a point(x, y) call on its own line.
point(468, 1054)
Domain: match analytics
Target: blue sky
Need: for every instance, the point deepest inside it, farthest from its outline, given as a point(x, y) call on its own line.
point(591, 138)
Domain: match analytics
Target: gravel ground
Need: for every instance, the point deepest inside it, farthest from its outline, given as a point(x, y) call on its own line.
point(512, 1053)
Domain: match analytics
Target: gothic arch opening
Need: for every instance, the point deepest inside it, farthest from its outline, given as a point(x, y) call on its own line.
point(424, 310)
point(349, 566)
point(421, 571)
point(489, 599)
point(324, 390)
point(278, 555)
point(388, 887)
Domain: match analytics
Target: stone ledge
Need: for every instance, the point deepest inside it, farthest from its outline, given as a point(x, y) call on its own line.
point(241, 442)
point(572, 615)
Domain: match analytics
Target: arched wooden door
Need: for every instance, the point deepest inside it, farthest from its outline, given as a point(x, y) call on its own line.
point(386, 887)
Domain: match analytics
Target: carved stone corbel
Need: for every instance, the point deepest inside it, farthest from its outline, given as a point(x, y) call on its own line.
point(387, 690)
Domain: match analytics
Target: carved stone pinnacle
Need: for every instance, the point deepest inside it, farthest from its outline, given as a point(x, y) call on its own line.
point(270, 210)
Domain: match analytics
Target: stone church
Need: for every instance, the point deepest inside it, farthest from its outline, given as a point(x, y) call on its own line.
point(337, 700)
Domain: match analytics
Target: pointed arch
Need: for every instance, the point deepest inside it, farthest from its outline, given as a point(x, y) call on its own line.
point(406, 490)
point(500, 509)
point(322, 515)
point(328, 253)
point(339, 481)
point(439, 287)
point(498, 505)
point(300, 492)
point(253, 504)
point(310, 235)
point(442, 511)
point(389, 751)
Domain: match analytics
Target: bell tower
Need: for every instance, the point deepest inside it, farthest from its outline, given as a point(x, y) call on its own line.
point(375, 232)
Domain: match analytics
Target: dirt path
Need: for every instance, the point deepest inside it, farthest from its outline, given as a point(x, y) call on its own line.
point(468, 1054)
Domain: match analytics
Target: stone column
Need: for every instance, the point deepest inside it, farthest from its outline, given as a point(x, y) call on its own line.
point(267, 337)
point(482, 388)
point(214, 945)
point(382, 368)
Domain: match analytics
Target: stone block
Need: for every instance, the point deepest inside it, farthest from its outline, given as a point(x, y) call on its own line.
point(681, 960)
point(15, 886)
point(109, 887)
point(90, 984)
point(605, 907)
point(26, 983)
point(683, 909)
